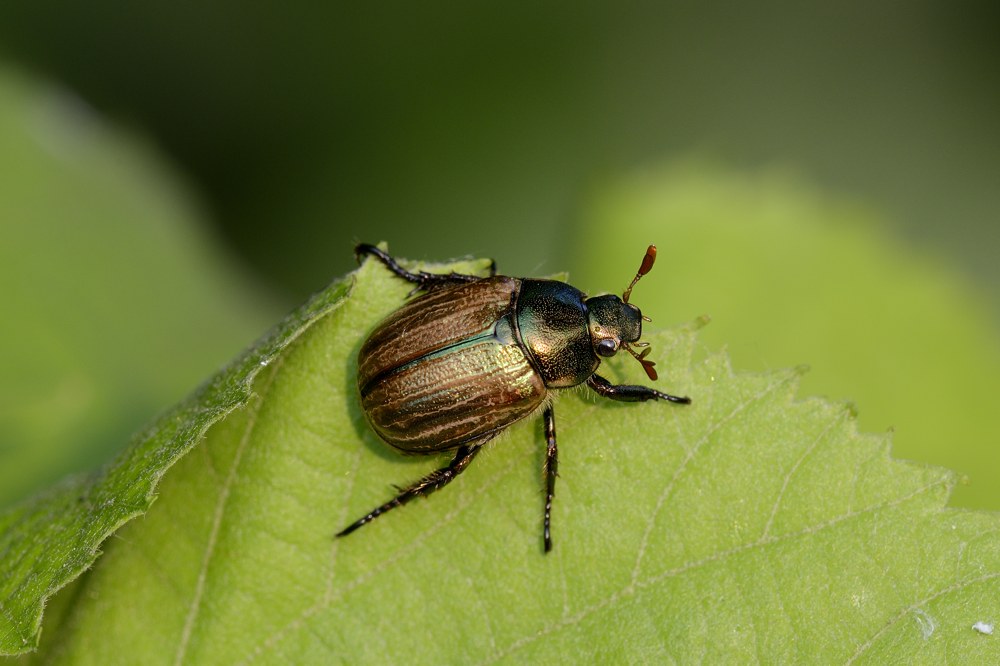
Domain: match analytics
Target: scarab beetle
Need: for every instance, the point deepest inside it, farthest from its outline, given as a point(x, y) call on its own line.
point(454, 367)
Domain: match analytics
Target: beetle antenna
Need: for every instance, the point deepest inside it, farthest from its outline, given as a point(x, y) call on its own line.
point(645, 267)
point(641, 357)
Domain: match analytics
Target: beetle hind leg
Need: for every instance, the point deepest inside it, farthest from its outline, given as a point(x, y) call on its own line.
point(551, 472)
point(424, 281)
point(436, 480)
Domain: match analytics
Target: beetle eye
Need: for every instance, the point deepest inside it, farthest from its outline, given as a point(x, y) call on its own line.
point(607, 347)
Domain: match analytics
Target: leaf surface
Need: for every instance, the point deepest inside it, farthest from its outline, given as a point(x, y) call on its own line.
point(115, 300)
point(789, 275)
point(749, 526)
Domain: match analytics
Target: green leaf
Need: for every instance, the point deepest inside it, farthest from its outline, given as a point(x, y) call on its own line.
point(791, 275)
point(749, 526)
point(115, 301)
point(47, 542)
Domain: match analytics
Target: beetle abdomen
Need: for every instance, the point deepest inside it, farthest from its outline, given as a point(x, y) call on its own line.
point(454, 396)
point(447, 369)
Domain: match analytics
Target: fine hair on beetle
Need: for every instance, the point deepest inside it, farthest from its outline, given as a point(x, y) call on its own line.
point(468, 356)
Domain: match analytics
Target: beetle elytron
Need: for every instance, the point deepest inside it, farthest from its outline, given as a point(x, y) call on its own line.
point(451, 369)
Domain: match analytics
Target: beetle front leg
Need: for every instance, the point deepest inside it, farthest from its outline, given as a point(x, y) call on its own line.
point(630, 393)
point(422, 279)
point(436, 480)
point(551, 472)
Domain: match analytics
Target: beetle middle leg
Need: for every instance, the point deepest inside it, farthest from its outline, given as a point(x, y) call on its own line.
point(630, 393)
point(551, 472)
point(424, 281)
point(436, 480)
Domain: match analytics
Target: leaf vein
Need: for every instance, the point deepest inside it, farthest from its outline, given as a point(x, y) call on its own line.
point(954, 587)
point(795, 468)
point(633, 586)
point(715, 427)
point(219, 513)
point(325, 602)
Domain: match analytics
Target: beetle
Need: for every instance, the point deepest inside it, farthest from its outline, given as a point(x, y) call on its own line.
point(454, 367)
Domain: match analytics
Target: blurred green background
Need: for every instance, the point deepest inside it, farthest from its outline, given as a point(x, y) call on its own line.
point(823, 179)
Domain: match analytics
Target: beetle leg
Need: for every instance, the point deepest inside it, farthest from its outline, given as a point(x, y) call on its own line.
point(437, 479)
point(551, 471)
point(424, 281)
point(629, 393)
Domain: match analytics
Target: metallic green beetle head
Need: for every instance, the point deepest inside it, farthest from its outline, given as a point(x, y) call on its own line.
point(615, 323)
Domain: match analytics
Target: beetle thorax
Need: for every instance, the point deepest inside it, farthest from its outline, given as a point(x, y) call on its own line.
point(553, 325)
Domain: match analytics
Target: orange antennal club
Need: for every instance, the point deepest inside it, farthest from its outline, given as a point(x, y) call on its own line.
point(645, 267)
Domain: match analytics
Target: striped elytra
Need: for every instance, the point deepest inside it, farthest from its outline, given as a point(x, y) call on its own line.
point(447, 368)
